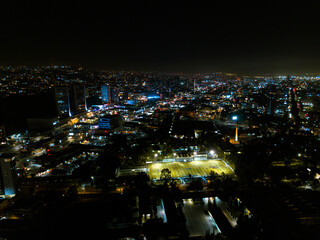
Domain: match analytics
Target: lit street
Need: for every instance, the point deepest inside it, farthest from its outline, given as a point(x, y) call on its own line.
point(21, 161)
point(199, 221)
point(222, 206)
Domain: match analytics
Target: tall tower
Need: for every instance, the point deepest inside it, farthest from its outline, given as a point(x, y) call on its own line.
point(105, 93)
point(271, 105)
point(3, 138)
point(74, 103)
point(69, 106)
point(114, 95)
point(236, 135)
point(7, 176)
point(85, 98)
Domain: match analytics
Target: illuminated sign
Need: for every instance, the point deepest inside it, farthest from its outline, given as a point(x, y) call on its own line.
point(104, 123)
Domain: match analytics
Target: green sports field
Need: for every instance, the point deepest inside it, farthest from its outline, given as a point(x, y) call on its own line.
point(182, 169)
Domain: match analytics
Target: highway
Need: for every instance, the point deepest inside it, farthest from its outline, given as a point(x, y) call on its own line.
point(199, 221)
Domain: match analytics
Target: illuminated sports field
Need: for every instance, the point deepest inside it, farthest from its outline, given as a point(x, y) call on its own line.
point(182, 169)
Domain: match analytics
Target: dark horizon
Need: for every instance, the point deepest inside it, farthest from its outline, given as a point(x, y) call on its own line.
point(236, 37)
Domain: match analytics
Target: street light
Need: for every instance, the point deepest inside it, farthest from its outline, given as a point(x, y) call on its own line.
point(194, 155)
point(212, 153)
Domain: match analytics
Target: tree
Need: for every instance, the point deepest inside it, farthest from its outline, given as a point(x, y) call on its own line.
point(155, 229)
point(165, 173)
point(196, 185)
point(215, 181)
point(141, 182)
point(253, 163)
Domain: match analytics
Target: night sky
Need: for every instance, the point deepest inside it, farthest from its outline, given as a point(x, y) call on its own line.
point(192, 36)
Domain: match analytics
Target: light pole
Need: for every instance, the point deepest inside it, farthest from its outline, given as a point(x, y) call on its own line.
point(212, 153)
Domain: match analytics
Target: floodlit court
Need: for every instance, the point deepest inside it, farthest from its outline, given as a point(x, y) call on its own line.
point(183, 169)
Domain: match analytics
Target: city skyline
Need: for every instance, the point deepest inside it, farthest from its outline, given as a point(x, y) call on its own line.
point(126, 153)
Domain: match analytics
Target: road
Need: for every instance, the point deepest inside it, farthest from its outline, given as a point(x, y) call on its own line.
point(22, 160)
point(161, 212)
point(199, 221)
point(222, 206)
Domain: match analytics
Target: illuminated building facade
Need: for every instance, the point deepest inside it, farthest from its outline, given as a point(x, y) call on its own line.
point(7, 176)
point(105, 93)
point(110, 123)
point(71, 100)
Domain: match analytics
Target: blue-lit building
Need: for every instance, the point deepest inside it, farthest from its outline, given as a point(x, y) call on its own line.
point(7, 176)
point(112, 123)
point(70, 100)
point(105, 123)
point(105, 94)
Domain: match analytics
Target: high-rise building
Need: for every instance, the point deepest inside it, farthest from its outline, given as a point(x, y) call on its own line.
point(114, 95)
point(111, 122)
point(3, 139)
point(7, 176)
point(106, 93)
point(85, 98)
point(77, 99)
point(71, 100)
point(62, 99)
point(16, 109)
point(271, 105)
point(124, 95)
